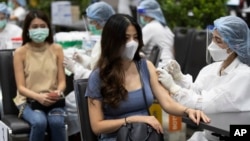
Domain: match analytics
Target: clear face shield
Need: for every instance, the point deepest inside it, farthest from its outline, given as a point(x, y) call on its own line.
point(140, 16)
point(87, 42)
point(209, 39)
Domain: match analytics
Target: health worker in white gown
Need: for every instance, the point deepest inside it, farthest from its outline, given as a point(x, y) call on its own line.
point(7, 30)
point(222, 86)
point(155, 31)
point(81, 64)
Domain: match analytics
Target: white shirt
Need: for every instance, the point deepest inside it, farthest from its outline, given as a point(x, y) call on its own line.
point(156, 34)
point(10, 31)
point(213, 93)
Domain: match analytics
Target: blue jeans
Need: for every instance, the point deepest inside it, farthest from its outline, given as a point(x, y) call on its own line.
point(41, 121)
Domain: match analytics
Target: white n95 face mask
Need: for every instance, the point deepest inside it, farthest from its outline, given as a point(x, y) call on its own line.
point(217, 53)
point(130, 49)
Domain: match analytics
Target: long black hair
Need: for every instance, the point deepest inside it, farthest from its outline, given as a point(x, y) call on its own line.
point(110, 63)
point(27, 21)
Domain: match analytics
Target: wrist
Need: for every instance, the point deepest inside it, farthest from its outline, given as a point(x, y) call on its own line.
point(178, 76)
point(73, 68)
point(174, 89)
point(126, 121)
point(61, 94)
point(186, 111)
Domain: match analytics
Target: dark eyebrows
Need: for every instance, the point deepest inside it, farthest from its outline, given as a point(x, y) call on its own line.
point(217, 38)
point(132, 35)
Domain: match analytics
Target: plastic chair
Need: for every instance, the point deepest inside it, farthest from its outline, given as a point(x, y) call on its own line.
point(155, 55)
point(80, 87)
point(18, 129)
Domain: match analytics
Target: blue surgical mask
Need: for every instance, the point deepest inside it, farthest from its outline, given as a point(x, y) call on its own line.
point(93, 30)
point(3, 23)
point(39, 35)
point(142, 21)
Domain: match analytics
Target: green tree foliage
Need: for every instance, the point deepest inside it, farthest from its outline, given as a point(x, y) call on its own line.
point(192, 13)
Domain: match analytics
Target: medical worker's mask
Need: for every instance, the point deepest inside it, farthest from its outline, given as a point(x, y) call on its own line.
point(217, 53)
point(11, 5)
point(3, 23)
point(93, 30)
point(130, 49)
point(39, 35)
point(142, 21)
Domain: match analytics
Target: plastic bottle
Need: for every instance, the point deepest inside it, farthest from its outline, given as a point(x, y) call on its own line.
point(173, 127)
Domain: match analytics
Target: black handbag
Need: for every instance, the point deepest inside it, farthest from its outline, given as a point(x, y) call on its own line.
point(139, 131)
point(36, 105)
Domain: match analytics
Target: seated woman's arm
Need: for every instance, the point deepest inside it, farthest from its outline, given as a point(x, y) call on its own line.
point(100, 125)
point(61, 74)
point(167, 103)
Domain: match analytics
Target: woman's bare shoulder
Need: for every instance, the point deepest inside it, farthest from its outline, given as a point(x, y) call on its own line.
point(56, 46)
point(20, 51)
point(150, 65)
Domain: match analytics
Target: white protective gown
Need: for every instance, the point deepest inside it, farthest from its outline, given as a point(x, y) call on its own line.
point(81, 71)
point(10, 31)
point(156, 34)
point(213, 93)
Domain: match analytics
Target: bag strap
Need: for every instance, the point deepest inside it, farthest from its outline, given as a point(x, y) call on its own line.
point(138, 64)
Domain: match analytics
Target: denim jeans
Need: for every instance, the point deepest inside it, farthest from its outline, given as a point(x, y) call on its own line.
point(41, 121)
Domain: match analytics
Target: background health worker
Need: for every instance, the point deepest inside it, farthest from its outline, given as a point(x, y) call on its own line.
point(7, 30)
point(224, 83)
point(97, 15)
point(155, 30)
point(18, 11)
point(82, 64)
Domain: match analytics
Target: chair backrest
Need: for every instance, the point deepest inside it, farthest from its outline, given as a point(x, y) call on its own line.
point(155, 55)
point(80, 87)
point(196, 58)
point(7, 83)
point(69, 84)
point(182, 41)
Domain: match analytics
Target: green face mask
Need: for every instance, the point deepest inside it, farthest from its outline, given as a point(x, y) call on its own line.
point(11, 5)
point(142, 21)
point(3, 23)
point(93, 30)
point(39, 35)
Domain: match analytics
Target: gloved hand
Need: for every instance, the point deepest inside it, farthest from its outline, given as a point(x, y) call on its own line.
point(174, 69)
point(79, 58)
point(167, 81)
point(69, 64)
point(82, 59)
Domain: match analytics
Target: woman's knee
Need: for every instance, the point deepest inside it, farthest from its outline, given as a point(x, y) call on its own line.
point(56, 117)
point(39, 120)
